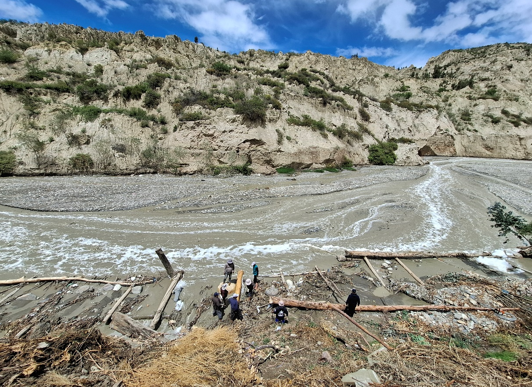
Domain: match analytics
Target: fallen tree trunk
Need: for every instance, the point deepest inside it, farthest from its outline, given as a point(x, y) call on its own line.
point(129, 327)
point(419, 281)
point(380, 308)
point(330, 284)
point(409, 254)
point(288, 275)
point(238, 286)
point(9, 295)
point(363, 329)
point(164, 301)
point(80, 279)
point(116, 305)
point(166, 263)
point(374, 271)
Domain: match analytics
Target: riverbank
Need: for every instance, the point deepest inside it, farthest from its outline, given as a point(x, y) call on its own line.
point(57, 337)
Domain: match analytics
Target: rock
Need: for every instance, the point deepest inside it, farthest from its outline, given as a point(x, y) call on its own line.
point(83, 289)
point(361, 378)
point(117, 287)
point(43, 345)
point(326, 356)
point(27, 297)
point(272, 291)
point(107, 288)
point(136, 290)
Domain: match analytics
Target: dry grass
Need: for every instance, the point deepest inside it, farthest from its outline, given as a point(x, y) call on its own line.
point(202, 358)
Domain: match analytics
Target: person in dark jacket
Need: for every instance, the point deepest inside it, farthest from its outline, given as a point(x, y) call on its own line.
point(255, 274)
point(236, 313)
point(217, 306)
point(281, 313)
point(228, 270)
point(224, 293)
point(249, 291)
point(352, 302)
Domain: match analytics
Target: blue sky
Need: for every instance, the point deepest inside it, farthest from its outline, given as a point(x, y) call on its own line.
point(391, 32)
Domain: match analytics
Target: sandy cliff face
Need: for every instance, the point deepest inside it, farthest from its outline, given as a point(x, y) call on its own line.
point(129, 103)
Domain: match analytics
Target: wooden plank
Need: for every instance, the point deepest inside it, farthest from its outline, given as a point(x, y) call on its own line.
point(9, 295)
point(332, 286)
point(70, 279)
point(164, 301)
point(166, 263)
point(373, 271)
point(410, 254)
point(382, 308)
point(116, 305)
point(410, 272)
point(238, 287)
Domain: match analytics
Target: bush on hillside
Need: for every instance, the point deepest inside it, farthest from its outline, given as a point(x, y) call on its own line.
point(382, 153)
point(8, 162)
point(81, 162)
point(253, 109)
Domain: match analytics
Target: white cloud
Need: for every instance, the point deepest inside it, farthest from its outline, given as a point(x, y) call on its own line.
point(225, 24)
point(102, 7)
point(19, 10)
point(369, 52)
point(463, 23)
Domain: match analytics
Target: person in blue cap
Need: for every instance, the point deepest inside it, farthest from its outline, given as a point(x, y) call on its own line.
point(236, 313)
point(352, 302)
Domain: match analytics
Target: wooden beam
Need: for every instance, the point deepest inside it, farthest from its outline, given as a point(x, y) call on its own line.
point(9, 295)
point(332, 286)
point(129, 327)
point(116, 305)
point(409, 254)
point(71, 279)
point(382, 308)
point(282, 279)
point(410, 272)
point(288, 274)
point(166, 263)
point(373, 271)
point(238, 286)
point(363, 329)
point(164, 301)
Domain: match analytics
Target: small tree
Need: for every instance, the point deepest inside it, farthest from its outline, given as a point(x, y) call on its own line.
point(81, 162)
point(382, 153)
point(507, 222)
point(8, 161)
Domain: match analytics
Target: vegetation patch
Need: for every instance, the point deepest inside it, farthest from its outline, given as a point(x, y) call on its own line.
point(219, 69)
point(253, 109)
point(306, 120)
point(81, 162)
point(91, 90)
point(192, 116)
point(8, 162)
point(285, 170)
point(8, 56)
point(382, 153)
point(152, 99)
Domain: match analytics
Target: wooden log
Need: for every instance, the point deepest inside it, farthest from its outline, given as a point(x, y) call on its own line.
point(331, 286)
point(71, 279)
point(164, 301)
point(409, 254)
point(341, 334)
point(288, 275)
point(373, 271)
point(129, 327)
point(410, 272)
point(282, 279)
point(9, 295)
point(116, 305)
point(363, 329)
point(238, 287)
point(382, 308)
point(166, 263)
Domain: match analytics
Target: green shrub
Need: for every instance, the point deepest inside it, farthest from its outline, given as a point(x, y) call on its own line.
point(285, 170)
point(14, 87)
point(253, 109)
point(8, 162)
point(270, 82)
point(34, 74)
point(81, 162)
point(504, 355)
point(134, 92)
point(91, 90)
point(219, 69)
point(156, 80)
point(206, 100)
point(152, 99)
point(306, 120)
point(382, 153)
point(88, 113)
point(465, 115)
point(386, 105)
point(98, 70)
point(163, 62)
point(60, 87)
point(283, 66)
point(364, 115)
point(8, 56)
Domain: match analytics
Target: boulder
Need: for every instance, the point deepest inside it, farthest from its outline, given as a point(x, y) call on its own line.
point(361, 378)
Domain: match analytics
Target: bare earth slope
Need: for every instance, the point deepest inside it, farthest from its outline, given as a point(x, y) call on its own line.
point(127, 103)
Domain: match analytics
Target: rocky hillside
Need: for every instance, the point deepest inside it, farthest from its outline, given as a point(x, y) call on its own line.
point(81, 100)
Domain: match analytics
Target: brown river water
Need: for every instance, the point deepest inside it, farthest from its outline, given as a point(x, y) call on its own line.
point(285, 223)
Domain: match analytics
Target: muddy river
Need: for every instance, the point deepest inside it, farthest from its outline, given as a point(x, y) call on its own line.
point(288, 223)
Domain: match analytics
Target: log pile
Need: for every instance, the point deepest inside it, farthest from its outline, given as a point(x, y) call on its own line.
point(353, 254)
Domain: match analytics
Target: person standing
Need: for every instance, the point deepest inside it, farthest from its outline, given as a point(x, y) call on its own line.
point(236, 313)
point(281, 313)
point(228, 270)
point(255, 274)
point(352, 302)
point(217, 306)
point(224, 292)
point(249, 286)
